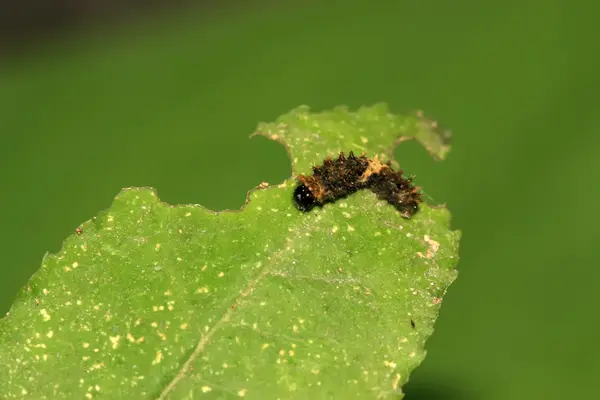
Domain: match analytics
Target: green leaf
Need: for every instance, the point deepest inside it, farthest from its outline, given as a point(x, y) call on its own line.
point(149, 300)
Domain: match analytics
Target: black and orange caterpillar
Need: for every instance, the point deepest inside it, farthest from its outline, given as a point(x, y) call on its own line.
point(338, 178)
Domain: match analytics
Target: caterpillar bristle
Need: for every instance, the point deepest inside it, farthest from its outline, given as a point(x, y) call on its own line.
point(338, 178)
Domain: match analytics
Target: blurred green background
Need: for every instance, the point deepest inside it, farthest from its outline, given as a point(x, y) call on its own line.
point(169, 101)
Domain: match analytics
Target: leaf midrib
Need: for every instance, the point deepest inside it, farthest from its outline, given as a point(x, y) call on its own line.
point(226, 316)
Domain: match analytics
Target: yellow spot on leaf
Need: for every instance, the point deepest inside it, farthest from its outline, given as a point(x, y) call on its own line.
point(96, 366)
point(115, 341)
point(45, 314)
point(395, 382)
point(157, 358)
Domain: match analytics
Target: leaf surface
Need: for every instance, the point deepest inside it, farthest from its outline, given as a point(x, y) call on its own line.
point(149, 300)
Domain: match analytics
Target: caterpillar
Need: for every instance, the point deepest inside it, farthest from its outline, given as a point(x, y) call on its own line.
point(338, 178)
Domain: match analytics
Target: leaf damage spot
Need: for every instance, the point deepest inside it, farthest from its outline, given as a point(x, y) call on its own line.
point(206, 389)
point(395, 381)
point(433, 246)
point(45, 314)
point(96, 366)
point(157, 358)
point(115, 341)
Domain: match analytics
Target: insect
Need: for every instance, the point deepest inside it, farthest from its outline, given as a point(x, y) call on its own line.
point(345, 175)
